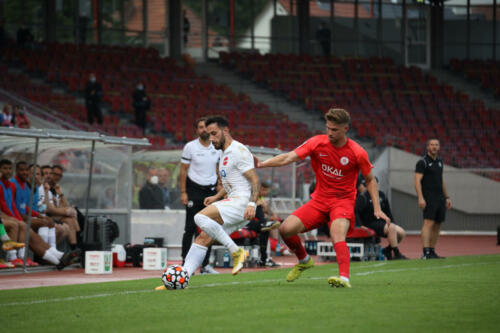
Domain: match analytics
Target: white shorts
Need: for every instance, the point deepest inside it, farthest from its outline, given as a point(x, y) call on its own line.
point(231, 211)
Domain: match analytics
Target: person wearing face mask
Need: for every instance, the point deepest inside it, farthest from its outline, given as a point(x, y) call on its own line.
point(141, 104)
point(93, 96)
point(151, 195)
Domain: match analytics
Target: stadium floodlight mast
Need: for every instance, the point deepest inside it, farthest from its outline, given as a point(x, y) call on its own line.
point(94, 137)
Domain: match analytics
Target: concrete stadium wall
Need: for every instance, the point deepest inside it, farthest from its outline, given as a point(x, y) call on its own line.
point(474, 198)
point(168, 224)
point(407, 214)
point(470, 193)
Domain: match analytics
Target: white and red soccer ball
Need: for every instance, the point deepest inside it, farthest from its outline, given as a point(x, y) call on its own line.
point(175, 277)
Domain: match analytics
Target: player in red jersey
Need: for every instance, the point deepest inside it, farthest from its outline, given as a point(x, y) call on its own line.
point(336, 161)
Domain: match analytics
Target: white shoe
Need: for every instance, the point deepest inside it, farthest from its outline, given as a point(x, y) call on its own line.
point(208, 270)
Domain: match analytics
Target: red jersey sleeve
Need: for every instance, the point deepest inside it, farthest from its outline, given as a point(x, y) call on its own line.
point(306, 148)
point(364, 162)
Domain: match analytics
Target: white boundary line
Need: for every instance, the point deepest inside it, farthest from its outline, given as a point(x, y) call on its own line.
point(456, 233)
point(210, 285)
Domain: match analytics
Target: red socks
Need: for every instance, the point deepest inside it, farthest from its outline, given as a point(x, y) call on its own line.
point(295, 245)
point(343, 258)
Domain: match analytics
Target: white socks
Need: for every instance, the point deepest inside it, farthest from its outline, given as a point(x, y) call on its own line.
point(305, 260)
point(48, 256)
point(194, 258)
point(56, 253)
point(52, 237)
point(215, 230)
point(11, 255)
point(48, 235)
point(44, 233)
point(20, 253)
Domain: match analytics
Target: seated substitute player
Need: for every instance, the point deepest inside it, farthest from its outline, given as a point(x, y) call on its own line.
point(220, 218)
point(393, 232)
point(336, 161)
point(44, 225)
point(13, 220)
point(265, 223)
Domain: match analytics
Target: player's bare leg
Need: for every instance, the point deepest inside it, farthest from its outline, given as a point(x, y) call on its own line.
point(289, 231)
point(395, 235)
point(62, 232)
point(7, 243)
point(426, 233)
point(74, 228)
point(436, 228)
point(338, 232)
point(430, 234)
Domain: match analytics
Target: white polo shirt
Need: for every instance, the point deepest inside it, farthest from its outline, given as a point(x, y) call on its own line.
point(202, 162)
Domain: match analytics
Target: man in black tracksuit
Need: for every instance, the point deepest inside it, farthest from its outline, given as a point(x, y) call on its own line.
point(432, 196)
point(393, 232)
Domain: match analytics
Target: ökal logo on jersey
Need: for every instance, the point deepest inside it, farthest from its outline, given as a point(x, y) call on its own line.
point(331, 170)
point(224, 162)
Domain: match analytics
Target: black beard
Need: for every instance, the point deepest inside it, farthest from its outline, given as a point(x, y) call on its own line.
point(204, 136)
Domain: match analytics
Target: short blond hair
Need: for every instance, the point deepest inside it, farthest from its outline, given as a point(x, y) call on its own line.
point(338, 116)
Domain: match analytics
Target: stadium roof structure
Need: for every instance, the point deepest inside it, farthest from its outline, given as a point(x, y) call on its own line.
point(17, 138)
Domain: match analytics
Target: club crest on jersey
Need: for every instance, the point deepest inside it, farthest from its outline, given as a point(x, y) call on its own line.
point(224, 162)
point(344, 160)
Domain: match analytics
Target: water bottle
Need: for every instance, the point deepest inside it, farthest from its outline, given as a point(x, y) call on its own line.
point(380, 255)
point(226, 259)
point(278, 250)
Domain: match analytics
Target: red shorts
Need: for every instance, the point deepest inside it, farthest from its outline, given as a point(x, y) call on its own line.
point(315, 213)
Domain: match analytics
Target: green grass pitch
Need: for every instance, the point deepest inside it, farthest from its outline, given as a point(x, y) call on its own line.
point(460, 294)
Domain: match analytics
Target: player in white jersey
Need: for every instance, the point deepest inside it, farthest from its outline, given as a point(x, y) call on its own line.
point(197, 180)
point(241, 186)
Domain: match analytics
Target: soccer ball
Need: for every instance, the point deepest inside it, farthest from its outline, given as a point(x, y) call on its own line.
point(175, 277)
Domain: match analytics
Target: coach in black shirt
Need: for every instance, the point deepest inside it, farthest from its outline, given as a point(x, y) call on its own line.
point(432, 197)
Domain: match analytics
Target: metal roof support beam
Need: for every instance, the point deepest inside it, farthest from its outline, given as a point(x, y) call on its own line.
point(30, 208)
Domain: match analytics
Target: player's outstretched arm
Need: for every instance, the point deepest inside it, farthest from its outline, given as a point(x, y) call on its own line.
point(252, 177)
point(372, 188)
point(279, 160)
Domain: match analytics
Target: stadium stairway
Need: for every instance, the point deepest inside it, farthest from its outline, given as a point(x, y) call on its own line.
point(460, 83)
point(58, 88)
point(277, 104)
point(260, 95)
